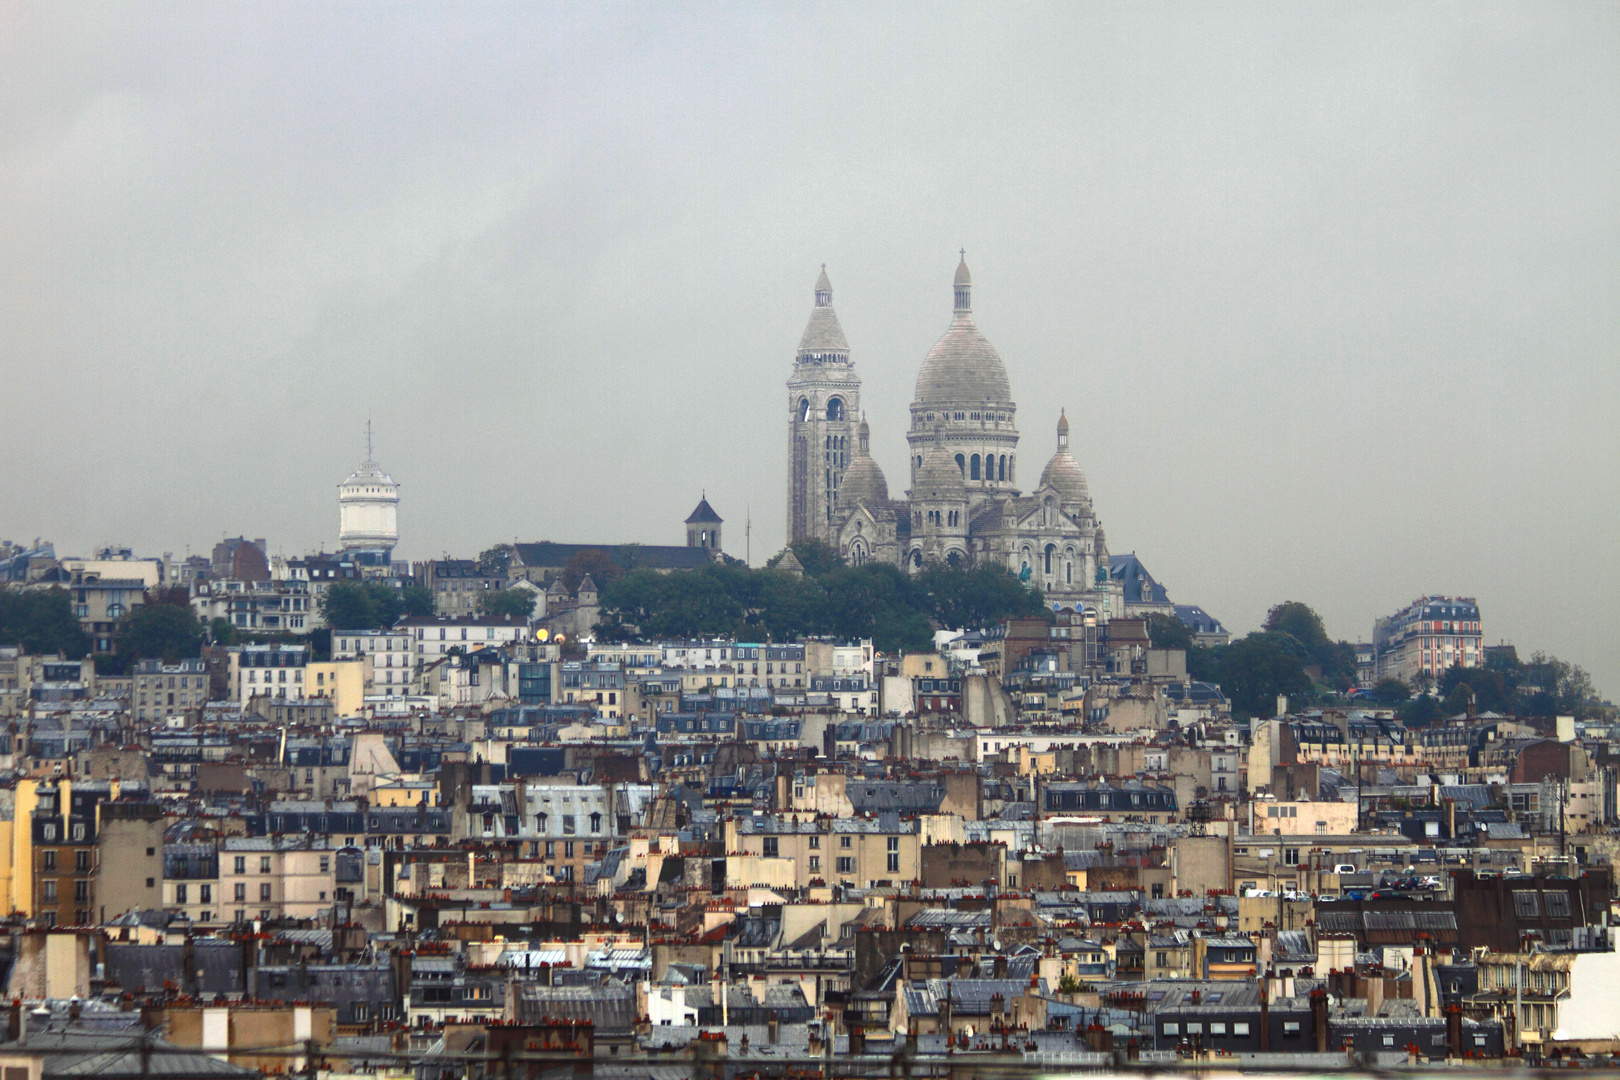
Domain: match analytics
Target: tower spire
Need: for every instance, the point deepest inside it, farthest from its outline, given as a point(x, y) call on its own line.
point(368, 438)
point(964, 286)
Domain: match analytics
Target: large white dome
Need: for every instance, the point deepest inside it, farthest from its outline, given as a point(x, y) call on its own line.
point(963, 368)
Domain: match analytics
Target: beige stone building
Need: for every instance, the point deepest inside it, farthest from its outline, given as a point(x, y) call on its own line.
point(275, 877)
point(852, 851)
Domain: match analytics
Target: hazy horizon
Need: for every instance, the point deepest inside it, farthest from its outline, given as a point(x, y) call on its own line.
point(1328, 293)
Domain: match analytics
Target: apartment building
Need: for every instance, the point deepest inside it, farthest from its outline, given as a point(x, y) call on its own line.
point(271, 877)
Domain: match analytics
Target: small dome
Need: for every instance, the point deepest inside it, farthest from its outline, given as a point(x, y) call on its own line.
point(863, 483)
point(1063, 422)
point(962, 275)
point(1063, 472)
point(938, 478)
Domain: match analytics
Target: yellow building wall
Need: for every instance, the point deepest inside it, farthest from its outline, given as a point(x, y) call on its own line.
point(344, 681)
point(403, 795)
point(22, 846)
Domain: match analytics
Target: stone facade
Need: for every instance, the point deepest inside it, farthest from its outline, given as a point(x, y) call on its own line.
point(963, 506)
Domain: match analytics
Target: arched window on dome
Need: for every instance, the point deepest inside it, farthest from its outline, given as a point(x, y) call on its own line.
point(1051, 549)
point(1068, 572)
point(919, 461)
point(1003, 468)
point(804, 409)
point(973, 467)
point(835, 409)
point(954, 559)
point(961, 464)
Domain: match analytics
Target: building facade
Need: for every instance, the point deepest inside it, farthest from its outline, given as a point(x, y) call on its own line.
point(1426, 637)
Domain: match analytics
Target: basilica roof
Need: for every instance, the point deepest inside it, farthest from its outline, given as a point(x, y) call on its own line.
point(822, 333)
point(938, 477)
point(963, 368)
point(863, 481)
point(1063, 472)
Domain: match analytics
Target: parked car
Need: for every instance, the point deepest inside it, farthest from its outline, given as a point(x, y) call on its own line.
point(1345, 868)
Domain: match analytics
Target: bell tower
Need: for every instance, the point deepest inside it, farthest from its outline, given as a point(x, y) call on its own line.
point(824, 397)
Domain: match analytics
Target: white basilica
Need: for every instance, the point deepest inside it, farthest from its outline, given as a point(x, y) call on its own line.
point(963, 505)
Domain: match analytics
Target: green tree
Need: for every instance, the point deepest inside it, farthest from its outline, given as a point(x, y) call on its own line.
point(495, 561)
point(1486, 689)
point(1391, 692)
point(1556, 687)
point(977, 597)
point(41, 621)
point(1335, 661)
point(1421, 711)
point(1255, 669)
point(362, 605)
point(160, 632)
point(416, 600)
point(1301, 622)
point(508, 603)
point(593, 561)
point(815, 556)
point(1168, 632)
point(221, 632)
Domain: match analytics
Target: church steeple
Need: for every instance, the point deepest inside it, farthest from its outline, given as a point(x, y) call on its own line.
point(824, 400)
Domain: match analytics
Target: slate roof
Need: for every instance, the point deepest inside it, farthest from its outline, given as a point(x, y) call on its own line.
point(704, 514)
point(608, 1008)
point(118, 1056)
point(551, 556)
point(142, 969)
point(1197, 619)
point(1139, 585)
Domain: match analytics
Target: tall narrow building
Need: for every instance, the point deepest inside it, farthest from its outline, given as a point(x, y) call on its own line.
point(368, 512)
point(824, 397)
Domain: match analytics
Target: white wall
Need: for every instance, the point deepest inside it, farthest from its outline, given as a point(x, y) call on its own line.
point(1592, 1010)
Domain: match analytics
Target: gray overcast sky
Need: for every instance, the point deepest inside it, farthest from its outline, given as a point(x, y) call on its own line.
point(1329, 291)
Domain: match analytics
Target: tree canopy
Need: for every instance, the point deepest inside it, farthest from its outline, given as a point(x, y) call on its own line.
point(42, 621)
point(595, 562)
point(1335, 661)
point(1168, 632)
point(510, 603)
point(495, 561)
point(363, 605)
point(159, 631)
point(851, 602)
point(1253, 670)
